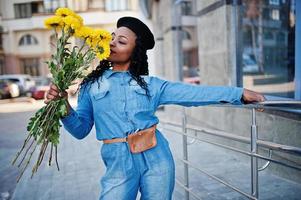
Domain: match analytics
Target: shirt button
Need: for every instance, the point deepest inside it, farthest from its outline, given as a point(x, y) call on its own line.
point(121, 83)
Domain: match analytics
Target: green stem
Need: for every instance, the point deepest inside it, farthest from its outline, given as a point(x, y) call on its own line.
point(50, 157)
point(22, 148)
point(27, 163)
point(57, 164)
point(26, 153)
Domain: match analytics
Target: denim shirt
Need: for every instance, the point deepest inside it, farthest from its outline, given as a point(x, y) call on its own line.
point(119, 106)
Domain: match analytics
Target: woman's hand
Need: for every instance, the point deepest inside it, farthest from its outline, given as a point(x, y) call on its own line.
point(53, 94)
point(251, 96)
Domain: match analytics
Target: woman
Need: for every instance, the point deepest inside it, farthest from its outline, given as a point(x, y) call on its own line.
point(120, 98)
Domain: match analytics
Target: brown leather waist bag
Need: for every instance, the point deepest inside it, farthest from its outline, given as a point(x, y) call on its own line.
point(139, 141)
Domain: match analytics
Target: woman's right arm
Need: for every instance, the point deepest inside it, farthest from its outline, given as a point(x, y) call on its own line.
point(80, 122)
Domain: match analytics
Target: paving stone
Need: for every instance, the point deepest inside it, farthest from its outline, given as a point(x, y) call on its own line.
point(81, 169)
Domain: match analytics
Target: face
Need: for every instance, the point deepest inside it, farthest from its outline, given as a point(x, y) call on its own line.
point(122, 45)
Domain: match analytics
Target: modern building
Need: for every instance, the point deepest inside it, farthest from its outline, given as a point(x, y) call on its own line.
point(26, 44)
point(1, 48)
point(218, 37)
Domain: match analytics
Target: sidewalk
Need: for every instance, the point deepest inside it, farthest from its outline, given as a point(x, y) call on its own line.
point(81, 170)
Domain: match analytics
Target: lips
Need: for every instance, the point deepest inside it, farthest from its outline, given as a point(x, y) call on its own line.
point(112, 52)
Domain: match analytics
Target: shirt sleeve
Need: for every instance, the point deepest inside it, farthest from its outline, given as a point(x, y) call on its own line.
point(184, 94)
point(80, 122)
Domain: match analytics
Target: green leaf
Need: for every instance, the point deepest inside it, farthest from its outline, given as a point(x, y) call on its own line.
point(62, 108)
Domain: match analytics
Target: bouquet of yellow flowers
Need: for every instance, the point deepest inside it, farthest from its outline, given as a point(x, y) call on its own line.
point(66, 65)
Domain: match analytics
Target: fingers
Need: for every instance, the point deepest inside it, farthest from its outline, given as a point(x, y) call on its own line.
point(260, 98)
point(53, 94)
point(251, 96)
point(47, 101)
point(63, 94)
point(54, 87)
point(260, 109)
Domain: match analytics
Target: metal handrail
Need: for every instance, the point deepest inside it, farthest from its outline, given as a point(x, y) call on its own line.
point(235, 149)
point(268, 162)
point(253, 141)
point(271, 104)
point(223, 134)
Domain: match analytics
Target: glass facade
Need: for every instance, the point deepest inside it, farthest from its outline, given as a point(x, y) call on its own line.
point(268, 51)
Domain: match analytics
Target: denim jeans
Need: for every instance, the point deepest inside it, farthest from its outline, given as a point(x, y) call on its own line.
point(152, 172)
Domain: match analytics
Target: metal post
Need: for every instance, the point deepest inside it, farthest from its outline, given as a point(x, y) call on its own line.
point(254, 162)
point(297, 50)
point(177, 41)
point(185, 155)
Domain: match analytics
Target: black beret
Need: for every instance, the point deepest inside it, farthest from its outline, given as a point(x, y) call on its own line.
point(140, 29)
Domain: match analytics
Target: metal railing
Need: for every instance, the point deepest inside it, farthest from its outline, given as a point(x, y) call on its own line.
point(253, 141)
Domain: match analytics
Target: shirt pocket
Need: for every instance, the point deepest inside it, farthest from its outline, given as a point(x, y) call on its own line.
point(142, 100)
point(101, 100)
point(100, 95)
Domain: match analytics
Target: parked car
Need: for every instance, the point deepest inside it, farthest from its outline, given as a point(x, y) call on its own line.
point(41, 87)
point(24, 82)
point(8, 89)
point(249, 64)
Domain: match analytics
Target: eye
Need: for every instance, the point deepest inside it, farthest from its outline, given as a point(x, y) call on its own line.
point(121, 42)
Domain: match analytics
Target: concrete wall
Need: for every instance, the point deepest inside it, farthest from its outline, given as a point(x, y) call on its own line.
point(165, 62)
point(217, 64)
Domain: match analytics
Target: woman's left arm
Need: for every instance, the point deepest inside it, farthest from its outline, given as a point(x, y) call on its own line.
point(184, 94)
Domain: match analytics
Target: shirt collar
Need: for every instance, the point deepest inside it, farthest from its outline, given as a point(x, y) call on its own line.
point(110, 72)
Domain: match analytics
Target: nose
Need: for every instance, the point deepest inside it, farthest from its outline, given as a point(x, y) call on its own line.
point(112, 43)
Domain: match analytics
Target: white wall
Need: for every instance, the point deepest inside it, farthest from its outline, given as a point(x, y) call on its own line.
point(7, 7)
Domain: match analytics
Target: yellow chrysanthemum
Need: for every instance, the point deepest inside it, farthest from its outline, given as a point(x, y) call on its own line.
point(89, 41)
point(83, 32)
point(64, 12)
point(95, 42)
point(103, 52)
point(102, 43)
point(71, 22)
point(53, 22)
point(102, 35)
point(107, 36)
point(80, 19)
point(98, 37)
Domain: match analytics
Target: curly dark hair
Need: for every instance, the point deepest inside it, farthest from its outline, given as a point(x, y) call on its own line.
point(138, 67)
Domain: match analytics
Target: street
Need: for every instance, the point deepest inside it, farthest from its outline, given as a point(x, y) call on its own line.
point(81, 167)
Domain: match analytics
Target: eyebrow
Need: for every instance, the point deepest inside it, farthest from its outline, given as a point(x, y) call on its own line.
point(113, 34)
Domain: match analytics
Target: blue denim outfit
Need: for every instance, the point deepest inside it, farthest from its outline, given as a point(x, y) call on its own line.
point(119, 106)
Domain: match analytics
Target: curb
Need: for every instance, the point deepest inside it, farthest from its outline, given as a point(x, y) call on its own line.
point(17, 100)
